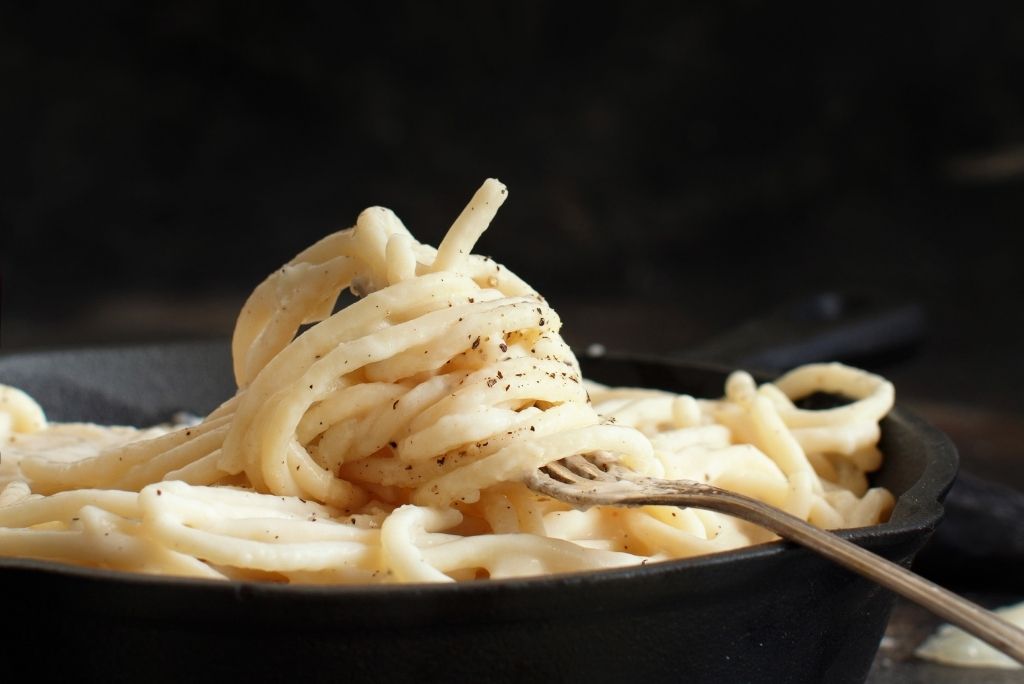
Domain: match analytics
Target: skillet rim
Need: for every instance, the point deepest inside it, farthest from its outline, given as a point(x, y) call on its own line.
point(917, 512)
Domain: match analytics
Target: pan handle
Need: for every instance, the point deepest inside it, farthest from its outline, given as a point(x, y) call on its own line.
point(859, 328)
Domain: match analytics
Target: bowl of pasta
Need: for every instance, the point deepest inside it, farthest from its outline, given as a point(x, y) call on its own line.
point(338, 492)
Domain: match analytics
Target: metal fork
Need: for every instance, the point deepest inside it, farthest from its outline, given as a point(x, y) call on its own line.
point(600, 480)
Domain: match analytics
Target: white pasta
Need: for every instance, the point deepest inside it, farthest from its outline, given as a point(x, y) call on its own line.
point(388, 442)
point(951, 645)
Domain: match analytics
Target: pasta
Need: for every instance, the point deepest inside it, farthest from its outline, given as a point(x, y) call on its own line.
point(950, 645)
point(388, 441)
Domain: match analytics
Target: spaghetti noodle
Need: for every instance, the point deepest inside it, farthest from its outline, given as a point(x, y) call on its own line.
point(387, 442)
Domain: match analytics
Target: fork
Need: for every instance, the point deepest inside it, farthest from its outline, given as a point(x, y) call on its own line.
point(600, 480)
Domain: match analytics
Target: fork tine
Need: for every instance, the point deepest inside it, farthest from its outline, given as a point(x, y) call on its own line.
point(556, 470)
point(584, 468)
point(603, 459)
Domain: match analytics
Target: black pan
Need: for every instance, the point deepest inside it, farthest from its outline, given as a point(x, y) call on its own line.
point(769, 613)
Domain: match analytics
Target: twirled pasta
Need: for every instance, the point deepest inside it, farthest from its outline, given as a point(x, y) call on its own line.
point(387, 442)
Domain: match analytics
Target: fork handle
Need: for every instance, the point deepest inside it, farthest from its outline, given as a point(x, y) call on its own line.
point(955, 609)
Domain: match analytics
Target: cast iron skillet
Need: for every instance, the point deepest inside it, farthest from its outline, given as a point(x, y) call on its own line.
point(769, 613)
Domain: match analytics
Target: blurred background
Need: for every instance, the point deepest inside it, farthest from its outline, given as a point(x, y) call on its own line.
point(672, 172)
point(675, 172)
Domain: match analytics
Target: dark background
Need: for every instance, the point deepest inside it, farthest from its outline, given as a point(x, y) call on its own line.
point(674, 169)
